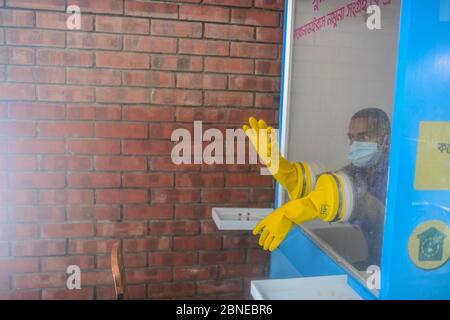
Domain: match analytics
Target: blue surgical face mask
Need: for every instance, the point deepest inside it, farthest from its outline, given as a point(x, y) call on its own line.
point(364, 154)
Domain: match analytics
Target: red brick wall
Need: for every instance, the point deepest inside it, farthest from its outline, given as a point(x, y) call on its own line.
point(86, 118)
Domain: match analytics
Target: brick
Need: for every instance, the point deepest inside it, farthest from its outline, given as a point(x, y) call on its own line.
point(32, 37)
point(221, 257)
point(16, 18)
point(82, 40)
point(93, 180)
point(121, 130)
point(148, 113)
point(65, 93)
point(43, 4)
point(195, 273)
point(255, 17)
point(125, 229)
point(36, 146)
point(93, 278)
point(94, 77)
point(148, 180)
point(225, 196)
point(251, 83)
point(175, 196)
point(262, 195)
point(259, 256)
point(67, 230)
point(228, 98)
point(130, 260)
point(177, 63)
point(18, 197)
point(247, 180)
point(151, 9)
point(147, 212)
point(254, 50)
point(148, 79)
point(240, 116)
point(219, 286)
point(172, 258)
point(17, 55)
point(18, 163)
point(122, 25)
point(242, 270)
point(66, 129)
point(176, 97)
point(147, 244)
point(122, 95)
point(36, 74)
point(121, 196)
point(10, 91)
point(19, 265)
point(66, 294)
point(274, 35)
point(208, 227)
point(37, 214)
point(232, 3)
point(229, 32)
point(67, 197)
point(122, 60)
point(18, 231)
point(150, 44)
point(104, 6)
point(204, 180)
point(176, 29)
point(171, 290)
point(204, 47)
point(64, 163)
point(192, 211)
point(57, 20)
point(20, 294)
point(148, 147)
point(148, 275)
point(164, 163)
point(174, 228)
point(134, 292)
point(39, 248)
point(268, 67)
point(111, 213)
point(17, 129)
point(51, 264)
point(201, 81)
point(204, 13)
point(120, 163)
point(72, 58)
point(228, 65)
point(38, 280)
point(197, 243)
point(90, 246)
point(93, 112)
point(270, 4)
point(96, 147)
point(263, 100)
point(37, 180)
point(206, 115)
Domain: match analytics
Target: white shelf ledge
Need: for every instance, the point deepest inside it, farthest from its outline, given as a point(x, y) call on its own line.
point(313, 288)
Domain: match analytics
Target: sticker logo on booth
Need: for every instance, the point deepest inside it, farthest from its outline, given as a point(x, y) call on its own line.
point(429, 245)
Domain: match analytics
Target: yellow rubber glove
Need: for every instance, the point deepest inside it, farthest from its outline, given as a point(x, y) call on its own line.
point(323, 203)
point(274, 228)
point(293, 177)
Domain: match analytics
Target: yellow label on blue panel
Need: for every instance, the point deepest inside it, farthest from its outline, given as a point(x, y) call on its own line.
point(433, 156)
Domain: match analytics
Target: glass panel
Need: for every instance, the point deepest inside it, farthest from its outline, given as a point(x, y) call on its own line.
point(341, 100)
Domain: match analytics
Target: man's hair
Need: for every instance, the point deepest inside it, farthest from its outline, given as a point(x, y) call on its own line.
point(379, 122)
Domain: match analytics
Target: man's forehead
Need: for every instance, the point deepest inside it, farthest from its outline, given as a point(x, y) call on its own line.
point(359, 125)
